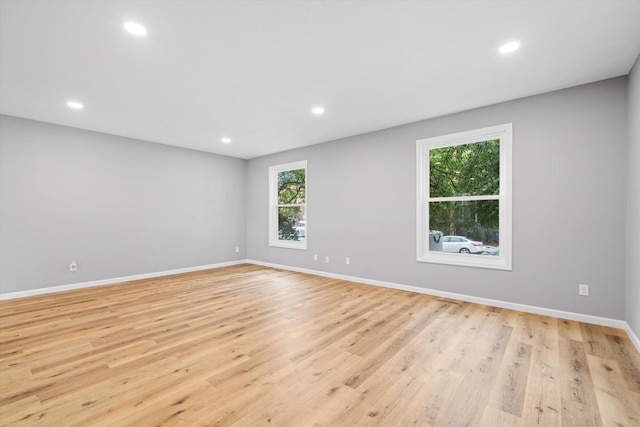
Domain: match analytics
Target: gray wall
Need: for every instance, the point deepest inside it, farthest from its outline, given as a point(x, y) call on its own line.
point(116, 206)
point(633, 202)
point(569, 180)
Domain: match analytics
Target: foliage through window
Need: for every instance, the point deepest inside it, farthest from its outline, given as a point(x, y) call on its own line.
point(464, 198)
point(287, 218)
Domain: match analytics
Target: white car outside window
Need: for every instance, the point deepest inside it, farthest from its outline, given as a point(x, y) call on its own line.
point(462, 245)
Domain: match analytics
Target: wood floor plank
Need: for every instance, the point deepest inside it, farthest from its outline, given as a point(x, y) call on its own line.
point(629, 361)
point(509, 391)
point(542, 402)
point(248, 345)
point(622, 407)
point(496, 418)
point(579, 404)
point(472, 394)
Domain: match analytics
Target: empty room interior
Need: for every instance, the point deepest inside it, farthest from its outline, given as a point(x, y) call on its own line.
point(320, 213)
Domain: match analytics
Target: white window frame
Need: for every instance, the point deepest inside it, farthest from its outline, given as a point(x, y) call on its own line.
point(273, 206)
point(423, 146)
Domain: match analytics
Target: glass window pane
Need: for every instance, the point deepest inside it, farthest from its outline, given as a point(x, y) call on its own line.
point(465, 170)
point(476, 222)
point(291, 223)
point(291, 187)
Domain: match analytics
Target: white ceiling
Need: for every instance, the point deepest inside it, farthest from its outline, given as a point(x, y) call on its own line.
point(252, 70)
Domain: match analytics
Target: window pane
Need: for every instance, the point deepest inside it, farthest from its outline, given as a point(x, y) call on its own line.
point(291, 187)
point(465, 170)
point(291, 223)
point(475, 221)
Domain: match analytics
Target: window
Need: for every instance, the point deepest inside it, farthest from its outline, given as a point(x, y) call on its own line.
point(288, 205)
point(464, 198)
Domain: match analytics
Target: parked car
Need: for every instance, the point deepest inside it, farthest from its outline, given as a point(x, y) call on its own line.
point(461, 245)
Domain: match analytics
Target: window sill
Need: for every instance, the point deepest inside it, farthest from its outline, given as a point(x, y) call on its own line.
point(289, 245)
point(467, 260)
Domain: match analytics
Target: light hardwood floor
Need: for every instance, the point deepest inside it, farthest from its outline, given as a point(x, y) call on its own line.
point(252, 346)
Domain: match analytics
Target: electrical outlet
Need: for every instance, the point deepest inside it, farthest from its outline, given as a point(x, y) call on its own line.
point(347, 260)
point(315, 257)
point(73, 266)
point(237, 249)
point(583, 290)
point(326, 259)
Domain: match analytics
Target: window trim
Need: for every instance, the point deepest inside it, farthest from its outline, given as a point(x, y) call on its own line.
point(504, 260)
point(273, 206)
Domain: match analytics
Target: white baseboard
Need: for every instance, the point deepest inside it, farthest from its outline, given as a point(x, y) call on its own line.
point(632, 336)
point(40, 291)
point(596, 320)
point(603, 321)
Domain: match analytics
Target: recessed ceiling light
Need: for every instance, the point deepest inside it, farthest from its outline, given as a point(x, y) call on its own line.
point(509, 47)
point(318, 111)
point(226, 140)
point(135, 28)
point(75, 105)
